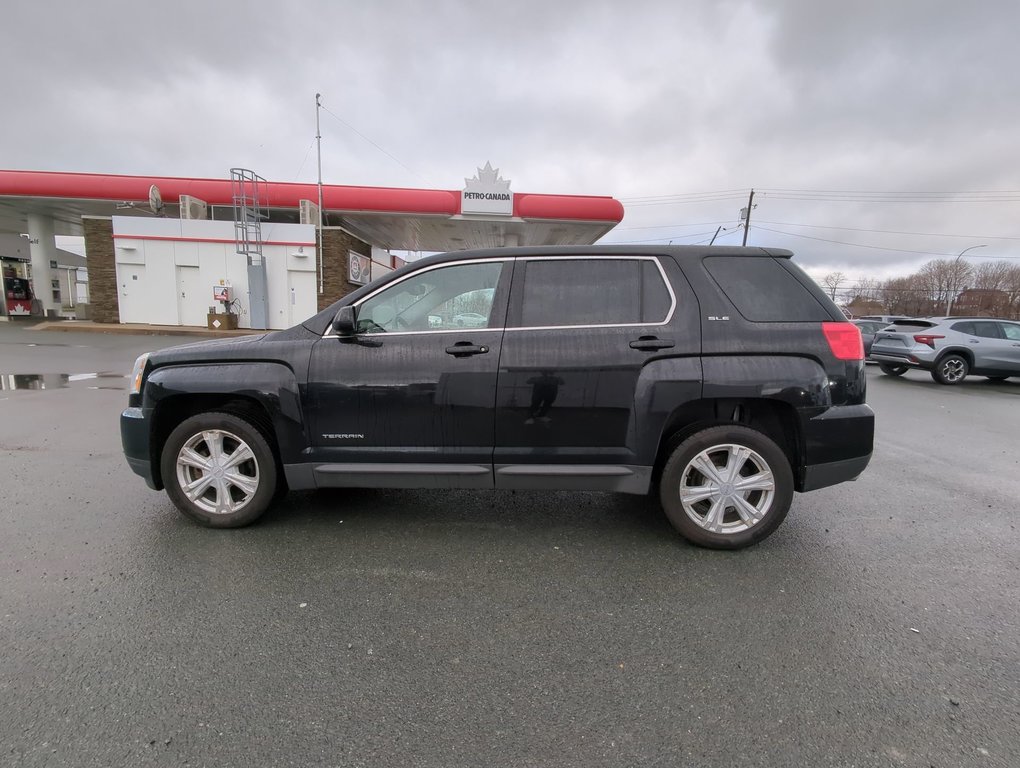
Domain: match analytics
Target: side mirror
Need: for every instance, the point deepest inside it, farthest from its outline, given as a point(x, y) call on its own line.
point(345, 323)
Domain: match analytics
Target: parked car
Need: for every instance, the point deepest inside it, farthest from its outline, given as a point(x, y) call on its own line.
point(721, 380)
point(868, 330)
point(951, 348)
point(470, 320)
point(886, 319)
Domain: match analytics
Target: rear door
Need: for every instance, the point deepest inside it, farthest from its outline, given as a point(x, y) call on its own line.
point(579, 332)
point(990, 348)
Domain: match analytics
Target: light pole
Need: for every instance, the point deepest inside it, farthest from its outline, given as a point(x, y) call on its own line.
point(949, 301)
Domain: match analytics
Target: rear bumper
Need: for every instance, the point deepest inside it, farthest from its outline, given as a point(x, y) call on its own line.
point(901, 358)
point(134, 436)
point(837, 446)
point(823, 475)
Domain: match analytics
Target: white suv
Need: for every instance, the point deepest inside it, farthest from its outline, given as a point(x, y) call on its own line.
point(951, 348)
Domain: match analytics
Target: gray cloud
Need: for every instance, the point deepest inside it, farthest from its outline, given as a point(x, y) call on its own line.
point(635, 99)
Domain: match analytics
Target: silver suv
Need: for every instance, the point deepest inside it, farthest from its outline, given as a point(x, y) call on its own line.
point(951, 348)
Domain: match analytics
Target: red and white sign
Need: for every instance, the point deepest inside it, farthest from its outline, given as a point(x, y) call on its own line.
point(359, 268)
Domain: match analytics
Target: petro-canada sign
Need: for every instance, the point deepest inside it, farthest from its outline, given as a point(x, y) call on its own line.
point(487, 193)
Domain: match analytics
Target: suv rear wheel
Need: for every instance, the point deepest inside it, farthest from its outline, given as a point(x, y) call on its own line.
point(951, 369)
point(726, 487)
point(219, 470)
point(892, 370)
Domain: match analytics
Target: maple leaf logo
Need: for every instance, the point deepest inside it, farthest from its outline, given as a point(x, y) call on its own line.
point(489, 177)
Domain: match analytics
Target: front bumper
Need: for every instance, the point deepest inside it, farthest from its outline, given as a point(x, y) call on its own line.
point(134, 436)
point(837, 445)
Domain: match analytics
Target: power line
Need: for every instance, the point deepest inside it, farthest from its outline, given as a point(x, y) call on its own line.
point(674, 226)
point(391, 157)
point(887, 192)
point(685, 194)
point(297, 175)
point(1013, 197)
point(892, 231)
point(659, 239)
point(872, 247)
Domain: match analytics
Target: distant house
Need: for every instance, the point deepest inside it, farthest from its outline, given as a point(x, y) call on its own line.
point(982, 302)
point(861, 306)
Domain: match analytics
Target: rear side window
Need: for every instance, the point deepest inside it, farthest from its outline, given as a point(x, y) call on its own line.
point(566, 292)
point(763, 291)
point(967, 328)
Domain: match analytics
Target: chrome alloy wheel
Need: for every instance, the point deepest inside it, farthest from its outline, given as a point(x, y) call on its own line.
point(217, 471)
point(953, 369)
point(727, 488)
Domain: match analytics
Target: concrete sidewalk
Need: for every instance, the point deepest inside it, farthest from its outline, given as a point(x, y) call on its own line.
point(87, 326)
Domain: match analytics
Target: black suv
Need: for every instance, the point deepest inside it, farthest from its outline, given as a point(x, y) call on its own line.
point(721, 379)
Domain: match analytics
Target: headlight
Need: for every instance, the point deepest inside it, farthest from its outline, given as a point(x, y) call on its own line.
point(138, 373)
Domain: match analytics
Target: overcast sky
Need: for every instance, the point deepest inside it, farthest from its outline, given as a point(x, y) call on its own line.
point(632, 99)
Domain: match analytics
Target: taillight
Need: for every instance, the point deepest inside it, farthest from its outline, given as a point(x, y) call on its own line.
point(844, 340)
point(927, 338)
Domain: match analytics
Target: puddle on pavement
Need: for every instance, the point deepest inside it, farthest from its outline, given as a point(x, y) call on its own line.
point(9, 381)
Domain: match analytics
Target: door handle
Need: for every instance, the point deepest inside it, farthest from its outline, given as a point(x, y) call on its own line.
point(974, 342)
point(466, 349)
point(651, 343)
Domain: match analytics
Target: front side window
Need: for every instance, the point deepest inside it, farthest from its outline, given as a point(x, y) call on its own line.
point(573, 292)
point(443, 299)
point(1011, 331)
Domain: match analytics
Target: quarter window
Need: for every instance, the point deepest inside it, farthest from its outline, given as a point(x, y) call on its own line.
point(572, 292)
point(443, 299)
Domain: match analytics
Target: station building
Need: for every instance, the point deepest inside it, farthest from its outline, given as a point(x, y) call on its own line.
point(247, 252)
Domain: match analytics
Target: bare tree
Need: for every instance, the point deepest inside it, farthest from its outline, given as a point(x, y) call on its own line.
point(992, 275)
point(867, 288)
point(832, 282)
point(943, 279)
point(1011, 286)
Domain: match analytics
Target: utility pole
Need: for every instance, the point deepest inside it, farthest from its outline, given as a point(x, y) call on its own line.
point(318, 151)
point(747, 218)
point(715, 235)
point(953, 289)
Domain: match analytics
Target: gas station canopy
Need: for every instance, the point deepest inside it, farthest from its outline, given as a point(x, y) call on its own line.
point(484, 214)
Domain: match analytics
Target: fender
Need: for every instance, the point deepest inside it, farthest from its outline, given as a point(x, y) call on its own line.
point(273, 385)
point(666, 386)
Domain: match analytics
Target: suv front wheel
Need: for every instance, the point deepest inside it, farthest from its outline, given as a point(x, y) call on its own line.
point(219, 470)
point(951, 369)
point(726, 487)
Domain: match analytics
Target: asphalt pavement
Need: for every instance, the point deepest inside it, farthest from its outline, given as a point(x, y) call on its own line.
point(877, 627)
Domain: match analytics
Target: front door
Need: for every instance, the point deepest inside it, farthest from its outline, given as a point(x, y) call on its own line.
point(192, 300)
point(1007, 357)
point(409, 400)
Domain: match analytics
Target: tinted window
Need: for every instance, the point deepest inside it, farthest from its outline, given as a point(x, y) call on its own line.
point(593, 292)
point(448, 298)
point(987, 330)
point(871, 327)
point(763, 291)
point(1010, 331)
point(967, 328)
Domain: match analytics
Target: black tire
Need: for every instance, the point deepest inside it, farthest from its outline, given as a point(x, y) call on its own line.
point(893, 370)
point(230, 432)
point(951, 369)
point(679, 471)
